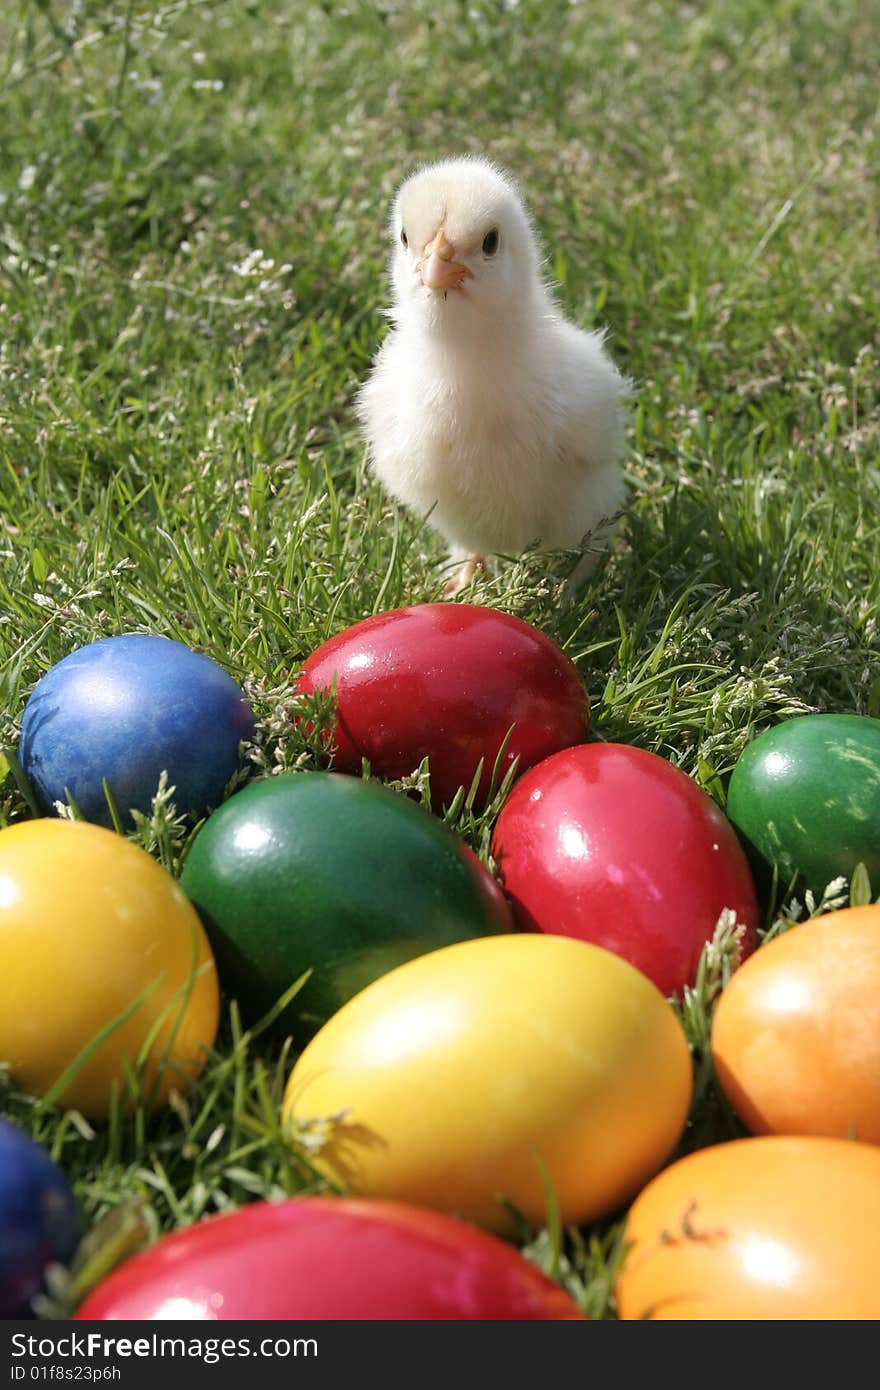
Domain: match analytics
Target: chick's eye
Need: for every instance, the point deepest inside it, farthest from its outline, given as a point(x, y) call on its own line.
point(403, 240)
point(490, 242)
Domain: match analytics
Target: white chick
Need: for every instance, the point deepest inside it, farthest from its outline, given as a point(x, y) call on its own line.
point(484, 407)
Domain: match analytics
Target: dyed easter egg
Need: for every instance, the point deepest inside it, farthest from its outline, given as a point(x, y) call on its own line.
point(776, 1228)
point(447, 681)
point(614, 845)
point(805, 796)
point(94, 933)
point(314, 871)
point(796, 1033)
point(329, 1258)
point(39, 1219)
point(481, 1071)
point(124, 710)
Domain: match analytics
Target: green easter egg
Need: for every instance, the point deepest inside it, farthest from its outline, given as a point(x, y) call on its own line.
point(317, 871)
point(806, 798)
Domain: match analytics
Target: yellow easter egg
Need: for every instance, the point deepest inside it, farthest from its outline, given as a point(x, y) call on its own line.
point(92, 931)
point(468, 1075)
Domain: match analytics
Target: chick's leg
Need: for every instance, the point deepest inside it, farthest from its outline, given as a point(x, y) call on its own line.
point(464, 574)
point(582, 571)
point(596, 542)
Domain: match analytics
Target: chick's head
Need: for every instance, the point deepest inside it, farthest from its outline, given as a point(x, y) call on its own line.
point(464, 249)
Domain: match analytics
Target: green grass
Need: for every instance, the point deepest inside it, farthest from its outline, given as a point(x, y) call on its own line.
point(191, 287)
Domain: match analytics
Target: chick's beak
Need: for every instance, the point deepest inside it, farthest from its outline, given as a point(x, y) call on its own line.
point(438, 269)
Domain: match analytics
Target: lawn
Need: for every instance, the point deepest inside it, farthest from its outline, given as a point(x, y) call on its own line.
point(193, 200)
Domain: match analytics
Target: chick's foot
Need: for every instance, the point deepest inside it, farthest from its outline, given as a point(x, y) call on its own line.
point(464, 575)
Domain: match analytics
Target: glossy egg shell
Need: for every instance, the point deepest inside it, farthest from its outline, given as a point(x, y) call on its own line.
point(805, 796)
point(447, 681)
point(759, 1228)
point(88, 923)
point(331, 1259)
point(39, 1219)
point(796, 1033)
point(125, 709)
point(315, 871)
point(614, 845)
point(458, 1075)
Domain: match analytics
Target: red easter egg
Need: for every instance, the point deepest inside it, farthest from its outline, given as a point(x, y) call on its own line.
point(616, 846)
point(329, 1258)
point(446, 681)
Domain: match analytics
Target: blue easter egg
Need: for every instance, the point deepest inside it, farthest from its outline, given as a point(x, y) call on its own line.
point(127, 709)
point(39, 1219)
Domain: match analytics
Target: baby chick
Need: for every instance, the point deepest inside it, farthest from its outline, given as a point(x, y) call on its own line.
point(484, 407)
